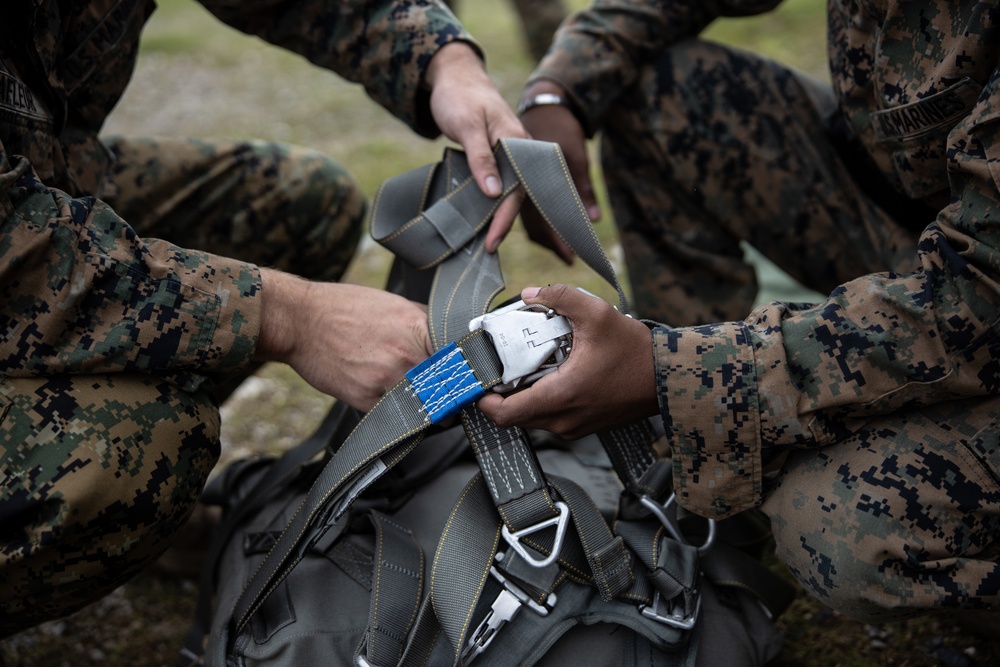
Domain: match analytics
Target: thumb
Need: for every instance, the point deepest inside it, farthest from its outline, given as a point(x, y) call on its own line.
point(563, 299)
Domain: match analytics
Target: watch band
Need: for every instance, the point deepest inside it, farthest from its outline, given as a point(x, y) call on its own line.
point(543, 99)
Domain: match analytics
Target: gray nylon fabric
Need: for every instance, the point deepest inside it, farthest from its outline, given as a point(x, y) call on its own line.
point(450, 224)
point(386, 433)
point(508, 463)
point(547, 182)
point(462, 560)
point(624, 448)
point(396, 590)
point(425, 216)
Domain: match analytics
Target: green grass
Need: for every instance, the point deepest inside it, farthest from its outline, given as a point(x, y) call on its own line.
point(317, 109)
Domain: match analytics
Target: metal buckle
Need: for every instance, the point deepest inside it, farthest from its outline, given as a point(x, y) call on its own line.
point(531, 342)
point(673, 615)
point(667, 514)
point(670, 611)
point(559, 521)
point(504, 608)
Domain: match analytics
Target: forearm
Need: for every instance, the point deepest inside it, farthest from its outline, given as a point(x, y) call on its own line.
point(732, 393)
point(349, 341)
point(598, 52)
point(84, 294)
point(385, 45)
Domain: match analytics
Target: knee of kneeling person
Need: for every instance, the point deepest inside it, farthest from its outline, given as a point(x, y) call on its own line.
point(851, 585)
point(326, 214)
point(865, 574)
point(96, 492)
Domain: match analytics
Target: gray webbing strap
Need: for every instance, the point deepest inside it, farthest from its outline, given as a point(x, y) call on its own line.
point(383, 437)
point(458, 575)
point(461, 572)
point(630, 450)
point(432, 236)
point(661, 555)
point(332, 431)
point(397, 588)
point(462, 290)
point(464, 284)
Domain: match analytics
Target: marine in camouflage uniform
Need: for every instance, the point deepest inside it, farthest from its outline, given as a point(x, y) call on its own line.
point(878, 405)
point(121, 312)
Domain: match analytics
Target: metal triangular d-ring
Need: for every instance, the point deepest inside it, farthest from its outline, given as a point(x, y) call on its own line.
point(560, 521)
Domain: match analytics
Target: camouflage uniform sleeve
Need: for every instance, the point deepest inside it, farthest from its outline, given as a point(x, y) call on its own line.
point(598, 51)
point(81, 293)
point(383, 44)
point(801, 376)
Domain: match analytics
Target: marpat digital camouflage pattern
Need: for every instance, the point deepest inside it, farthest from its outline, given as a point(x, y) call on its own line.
point(121, 310)
point(881, 191)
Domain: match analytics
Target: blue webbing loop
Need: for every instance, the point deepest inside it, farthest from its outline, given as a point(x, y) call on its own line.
point(445, 383)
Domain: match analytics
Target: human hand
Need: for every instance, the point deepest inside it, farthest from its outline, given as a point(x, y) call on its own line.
point(469, 109)
point(607, 381)
point(347, 341)
point(557, 124)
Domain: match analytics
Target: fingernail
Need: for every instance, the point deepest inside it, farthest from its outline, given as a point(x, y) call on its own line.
point(530, 292)
point(493, 186)
point(594, 212)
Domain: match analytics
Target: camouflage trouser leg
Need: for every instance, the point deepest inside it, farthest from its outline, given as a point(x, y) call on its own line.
point(270, 204)
point(99, 472)
point(713, 146)
point(902, 517)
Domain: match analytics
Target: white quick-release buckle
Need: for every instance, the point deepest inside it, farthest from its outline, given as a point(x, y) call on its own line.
point(502, 611)
point(531, 341)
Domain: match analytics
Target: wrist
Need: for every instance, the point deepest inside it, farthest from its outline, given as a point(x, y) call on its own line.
point(544, 93)
point(450, 56)
point(279, 292)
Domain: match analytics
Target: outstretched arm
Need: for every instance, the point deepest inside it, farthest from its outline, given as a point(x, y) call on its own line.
point(348, 341)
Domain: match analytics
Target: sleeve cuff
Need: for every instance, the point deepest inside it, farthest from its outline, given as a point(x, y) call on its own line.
point(225, 318)
point(706, 382)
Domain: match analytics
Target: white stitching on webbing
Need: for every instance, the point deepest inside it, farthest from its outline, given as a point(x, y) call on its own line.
point(521, 449)
point(501, 469)
point(480, 423)
point(477, 427)
point(637, 464)
point(439, 392)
